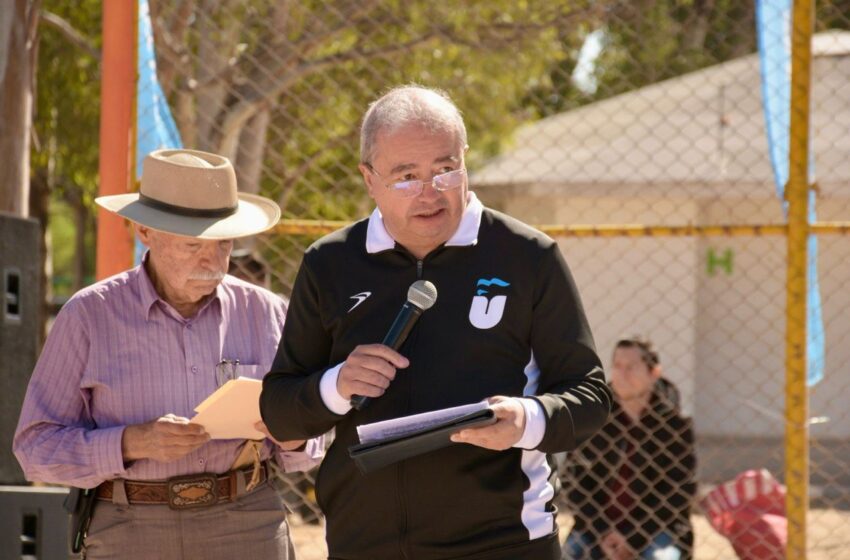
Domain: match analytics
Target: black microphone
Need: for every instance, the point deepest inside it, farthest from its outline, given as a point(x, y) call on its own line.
point(420, 296)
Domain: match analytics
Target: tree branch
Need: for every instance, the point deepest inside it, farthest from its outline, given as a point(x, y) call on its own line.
point(70, 33)
point(292, 177)
point(170, 41)
point(280, 73)
point(250, 104)
point(358, 15)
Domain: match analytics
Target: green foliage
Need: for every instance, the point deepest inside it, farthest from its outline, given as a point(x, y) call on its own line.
point(66, 124)
point(647, 41)
point(833, 14)
point(485, 54)
point(68, 96)
point(62, 227)
point(504, 62)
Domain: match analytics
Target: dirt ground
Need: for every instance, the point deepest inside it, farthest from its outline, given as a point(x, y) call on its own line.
point(828, 538)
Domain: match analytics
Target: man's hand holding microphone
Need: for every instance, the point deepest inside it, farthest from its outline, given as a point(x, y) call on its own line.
point(370, 368)
point(368, 371)
point(374, 365)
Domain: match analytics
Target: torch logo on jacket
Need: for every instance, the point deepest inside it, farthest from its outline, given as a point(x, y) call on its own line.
point(486, 312)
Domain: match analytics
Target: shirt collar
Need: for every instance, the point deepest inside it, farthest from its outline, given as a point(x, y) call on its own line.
point(379, 239)
point(148, 295)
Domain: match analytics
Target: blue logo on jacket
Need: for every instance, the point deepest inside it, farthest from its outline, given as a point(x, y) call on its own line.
point(486, 312)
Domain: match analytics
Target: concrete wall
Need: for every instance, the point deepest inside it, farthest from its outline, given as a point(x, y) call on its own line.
point(628, 290)
point(719, 327)
point(629, 286)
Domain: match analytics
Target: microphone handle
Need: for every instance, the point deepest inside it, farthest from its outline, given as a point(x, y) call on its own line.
point(395, 337)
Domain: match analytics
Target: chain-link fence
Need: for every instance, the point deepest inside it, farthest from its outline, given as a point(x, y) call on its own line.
point(579, 112)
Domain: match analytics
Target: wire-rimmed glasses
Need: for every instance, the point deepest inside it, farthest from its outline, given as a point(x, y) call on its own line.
point(442, 182)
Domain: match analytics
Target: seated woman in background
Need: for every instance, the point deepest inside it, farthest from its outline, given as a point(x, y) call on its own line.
point(632, 484)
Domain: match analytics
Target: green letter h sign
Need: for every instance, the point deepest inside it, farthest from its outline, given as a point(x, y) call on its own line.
point(724, 262)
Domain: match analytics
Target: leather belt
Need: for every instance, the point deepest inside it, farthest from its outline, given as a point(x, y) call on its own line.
point(183, 492)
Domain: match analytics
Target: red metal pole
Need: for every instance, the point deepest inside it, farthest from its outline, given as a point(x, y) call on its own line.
point(117, 90)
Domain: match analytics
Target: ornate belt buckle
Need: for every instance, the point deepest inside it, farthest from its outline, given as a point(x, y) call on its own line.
point(197, 490)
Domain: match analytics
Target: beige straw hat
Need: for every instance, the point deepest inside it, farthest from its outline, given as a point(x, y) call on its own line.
point(193, 193)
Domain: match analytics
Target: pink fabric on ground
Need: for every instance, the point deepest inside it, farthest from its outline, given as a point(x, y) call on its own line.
point(750, 512)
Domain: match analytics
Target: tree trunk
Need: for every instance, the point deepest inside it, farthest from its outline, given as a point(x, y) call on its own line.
point(249, 167)
point(81, 220)
point(18, 46)
point(744, 40)
point(216, 46)
point(252, 148)
point(695, 29)
point(39, 204)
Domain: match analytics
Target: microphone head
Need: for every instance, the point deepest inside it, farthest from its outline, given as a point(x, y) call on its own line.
point(422, 294)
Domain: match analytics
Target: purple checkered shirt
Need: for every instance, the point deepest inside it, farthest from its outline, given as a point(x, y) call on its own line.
point(118, 355)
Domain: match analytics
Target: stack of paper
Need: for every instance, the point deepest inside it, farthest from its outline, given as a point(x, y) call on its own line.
point(399, 427)
point(384, 443)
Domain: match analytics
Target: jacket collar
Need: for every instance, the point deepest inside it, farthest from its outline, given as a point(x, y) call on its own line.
point(379, 239)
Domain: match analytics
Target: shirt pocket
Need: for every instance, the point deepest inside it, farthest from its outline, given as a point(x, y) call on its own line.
point(228, 370)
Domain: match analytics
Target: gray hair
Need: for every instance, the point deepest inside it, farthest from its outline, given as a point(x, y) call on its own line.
point(405, 105)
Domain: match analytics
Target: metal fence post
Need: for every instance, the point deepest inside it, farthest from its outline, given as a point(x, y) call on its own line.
point(797, 194)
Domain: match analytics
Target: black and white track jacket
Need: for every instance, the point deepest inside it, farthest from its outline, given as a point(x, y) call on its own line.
point(507, 321)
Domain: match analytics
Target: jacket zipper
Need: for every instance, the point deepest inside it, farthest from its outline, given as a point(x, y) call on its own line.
point(402, 504)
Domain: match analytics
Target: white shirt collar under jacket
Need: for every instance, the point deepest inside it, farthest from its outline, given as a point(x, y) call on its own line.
point(379, 239)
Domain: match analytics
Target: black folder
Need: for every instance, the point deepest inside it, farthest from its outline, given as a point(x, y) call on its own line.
point(380, 453)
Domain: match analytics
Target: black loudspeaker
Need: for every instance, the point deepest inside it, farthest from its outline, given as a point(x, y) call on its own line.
point(20, 264)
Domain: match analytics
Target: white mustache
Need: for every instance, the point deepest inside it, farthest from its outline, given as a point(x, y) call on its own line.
point(217, 275)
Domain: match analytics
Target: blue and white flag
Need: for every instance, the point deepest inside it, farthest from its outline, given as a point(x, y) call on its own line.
point(773, 20)
point(155, 128)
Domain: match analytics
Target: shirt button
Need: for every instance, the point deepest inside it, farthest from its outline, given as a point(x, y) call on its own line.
point(189, 326)
point(194, 369)
point(200, 461)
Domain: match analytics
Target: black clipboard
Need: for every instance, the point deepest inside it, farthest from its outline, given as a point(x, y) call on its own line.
point(376, 454)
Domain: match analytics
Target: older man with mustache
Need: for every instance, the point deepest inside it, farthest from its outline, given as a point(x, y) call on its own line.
point(127, 360)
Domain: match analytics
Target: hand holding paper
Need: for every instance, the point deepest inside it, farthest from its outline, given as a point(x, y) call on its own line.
point(165, 439)
point(384, 443)
point(232, 411)
point(508, 429)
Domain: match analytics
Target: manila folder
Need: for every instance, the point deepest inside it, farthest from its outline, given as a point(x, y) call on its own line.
point(232, 411)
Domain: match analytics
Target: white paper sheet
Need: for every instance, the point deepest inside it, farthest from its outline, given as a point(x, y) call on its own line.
point(408, 424)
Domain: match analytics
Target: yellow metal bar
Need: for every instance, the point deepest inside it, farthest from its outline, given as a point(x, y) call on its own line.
point(797, 195)
point(321, 227)
point(841, 228)
point(639, 230)
point(308, 227)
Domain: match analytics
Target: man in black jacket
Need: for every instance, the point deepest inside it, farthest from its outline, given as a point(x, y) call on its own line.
point(633, 482)
point(507, 326)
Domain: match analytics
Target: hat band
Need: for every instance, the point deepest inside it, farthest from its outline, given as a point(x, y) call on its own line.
point(189, 212)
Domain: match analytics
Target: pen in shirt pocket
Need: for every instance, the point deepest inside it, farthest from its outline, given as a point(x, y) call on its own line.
point(225, 370)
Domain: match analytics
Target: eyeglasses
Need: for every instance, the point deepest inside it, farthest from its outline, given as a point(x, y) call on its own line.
point(442, 182)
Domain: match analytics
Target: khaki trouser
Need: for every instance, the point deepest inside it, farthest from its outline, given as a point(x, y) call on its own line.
point(253, 527)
